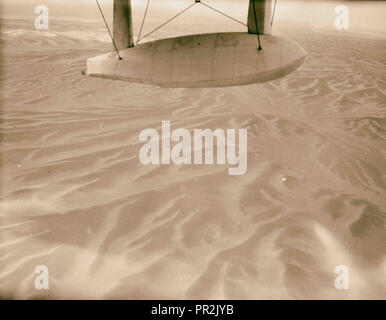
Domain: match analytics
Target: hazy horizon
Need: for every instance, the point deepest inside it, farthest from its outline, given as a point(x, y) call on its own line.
point(365, 16)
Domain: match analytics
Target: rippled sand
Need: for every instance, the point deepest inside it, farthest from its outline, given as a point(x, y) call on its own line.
point(76, 198)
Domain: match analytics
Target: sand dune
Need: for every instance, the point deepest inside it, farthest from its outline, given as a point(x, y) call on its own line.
point(76, 198)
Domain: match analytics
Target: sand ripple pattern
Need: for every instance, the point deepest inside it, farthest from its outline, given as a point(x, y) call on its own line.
point(76, 198)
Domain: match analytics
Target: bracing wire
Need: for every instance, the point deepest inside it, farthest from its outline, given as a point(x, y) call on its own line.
point(177, 15)
point(273, 14)
point(224, 14)
point(139, 38)
point(257, 28)
point(143, 21)
point(168, 21)
point(108, 29)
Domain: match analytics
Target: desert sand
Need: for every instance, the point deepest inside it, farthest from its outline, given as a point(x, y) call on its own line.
point(75, 197)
